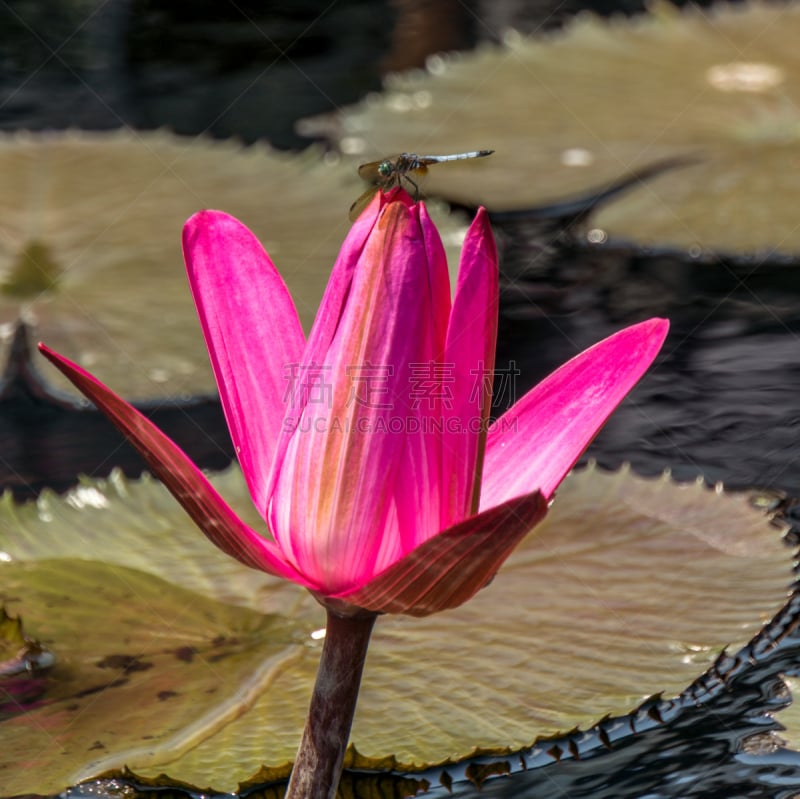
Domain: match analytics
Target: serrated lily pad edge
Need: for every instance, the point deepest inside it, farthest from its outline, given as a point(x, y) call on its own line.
point(779, 636)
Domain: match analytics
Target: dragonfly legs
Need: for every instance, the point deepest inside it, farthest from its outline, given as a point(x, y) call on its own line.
point(416, 188)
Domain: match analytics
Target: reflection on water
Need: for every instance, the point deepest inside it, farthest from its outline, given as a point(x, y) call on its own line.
point(721, 400)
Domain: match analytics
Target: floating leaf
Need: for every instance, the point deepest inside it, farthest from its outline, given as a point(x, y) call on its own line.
point(628, 588)
point(581, 108)
point(144, 668)
point(90, 230)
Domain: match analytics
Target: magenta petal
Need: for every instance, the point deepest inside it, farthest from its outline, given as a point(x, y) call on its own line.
point(470, 351)
point(183, 479)
point(537, 441)
point(438, 276)
point(252, 333)
point(326, 323)
point(450, 568)
point(359, 481)
point(338, 288)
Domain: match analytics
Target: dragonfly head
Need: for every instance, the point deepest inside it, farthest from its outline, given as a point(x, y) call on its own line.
point(386, 168)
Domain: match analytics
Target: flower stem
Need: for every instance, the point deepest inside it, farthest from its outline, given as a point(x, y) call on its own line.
point(318, 764)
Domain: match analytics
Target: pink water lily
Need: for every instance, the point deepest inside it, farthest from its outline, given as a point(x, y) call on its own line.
point(366, 448)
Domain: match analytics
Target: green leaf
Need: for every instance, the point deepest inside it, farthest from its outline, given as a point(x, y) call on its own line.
point(90, 243)
point(720, 83)
point(628, 588)
point(144, 669)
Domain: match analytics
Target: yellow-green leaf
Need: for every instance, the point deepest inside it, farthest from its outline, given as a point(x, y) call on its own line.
point(574, 110)
point(630, 587)
point(90, 243)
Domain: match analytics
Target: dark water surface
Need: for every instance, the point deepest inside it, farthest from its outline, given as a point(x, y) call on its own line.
point(723, 400)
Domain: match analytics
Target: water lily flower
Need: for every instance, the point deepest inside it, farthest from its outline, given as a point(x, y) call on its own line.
point(377, 494)
point(367, 448)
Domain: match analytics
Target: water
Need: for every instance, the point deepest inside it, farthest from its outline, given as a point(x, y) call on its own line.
point(722, 401)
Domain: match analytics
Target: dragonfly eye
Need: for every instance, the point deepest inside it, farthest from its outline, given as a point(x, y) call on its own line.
point(385, 169)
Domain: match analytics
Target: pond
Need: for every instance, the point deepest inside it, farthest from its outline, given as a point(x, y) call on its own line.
point(721, 402)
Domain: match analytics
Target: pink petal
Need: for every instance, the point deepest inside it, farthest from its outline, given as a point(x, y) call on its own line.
point(438, 277)
point(338, 289)
point(252, 332)
point(186, 483)
point(537, 441)
point(450, 568)
point(358, 486)
point(326, 323)
point(470, 352)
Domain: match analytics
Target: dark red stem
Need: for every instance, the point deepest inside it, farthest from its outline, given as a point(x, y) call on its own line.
point(318, 764)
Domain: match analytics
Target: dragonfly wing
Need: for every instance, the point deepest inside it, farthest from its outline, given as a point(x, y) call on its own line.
point(370, 172)
point(361, 203)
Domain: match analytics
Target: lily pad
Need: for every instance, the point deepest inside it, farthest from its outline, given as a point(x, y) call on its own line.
point(629, 587)
point(143, 667)
point(580, 108)
point(90, 252)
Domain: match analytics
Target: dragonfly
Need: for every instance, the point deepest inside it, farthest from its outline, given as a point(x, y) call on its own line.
point(393, 171)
